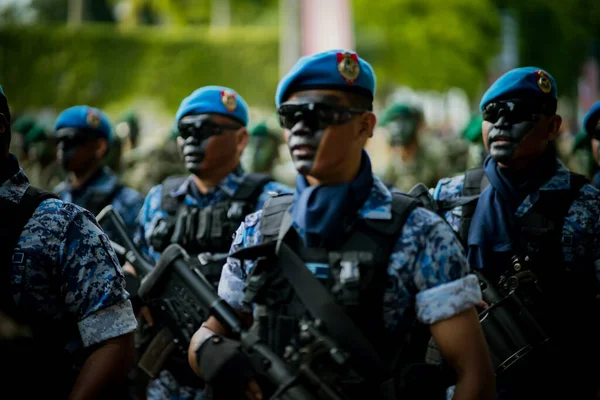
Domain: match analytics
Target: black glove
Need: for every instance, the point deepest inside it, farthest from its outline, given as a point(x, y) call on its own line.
point(224, 366)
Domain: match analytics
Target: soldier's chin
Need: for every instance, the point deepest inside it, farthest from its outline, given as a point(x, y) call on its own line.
point(194, 167)
point(503, 154)
point(304, 166)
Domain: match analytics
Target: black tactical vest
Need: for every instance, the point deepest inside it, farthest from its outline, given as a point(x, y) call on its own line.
point(355, 273)
point(205, 232)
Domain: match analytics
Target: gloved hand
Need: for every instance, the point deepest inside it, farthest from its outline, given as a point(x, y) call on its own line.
point(225, 367)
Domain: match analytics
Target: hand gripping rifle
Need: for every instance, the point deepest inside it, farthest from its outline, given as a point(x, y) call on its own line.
point(179, 294)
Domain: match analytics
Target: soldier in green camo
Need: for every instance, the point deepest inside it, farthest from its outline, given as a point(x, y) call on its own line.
point(472, 134)
point(37, 152)
point(263, 148)
point(145, 168)
point(413, 157)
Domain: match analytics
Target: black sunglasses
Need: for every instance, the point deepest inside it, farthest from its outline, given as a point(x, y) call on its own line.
point(202, 128)
point(512, 111)
point(319, 115)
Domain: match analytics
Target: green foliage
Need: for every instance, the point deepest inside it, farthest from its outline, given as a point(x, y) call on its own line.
point(428, 44)
point(97, 64)
point(557, 35)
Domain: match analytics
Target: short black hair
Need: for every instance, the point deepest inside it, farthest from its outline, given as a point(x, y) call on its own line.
point(357, 100)
point(5, 110)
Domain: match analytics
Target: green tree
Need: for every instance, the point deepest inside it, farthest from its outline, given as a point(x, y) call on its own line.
point(428, 44)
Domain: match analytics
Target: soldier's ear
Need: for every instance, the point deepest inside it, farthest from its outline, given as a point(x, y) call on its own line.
point(554, 124)
point(367, 124)
point(101, 148)
point(241, 138)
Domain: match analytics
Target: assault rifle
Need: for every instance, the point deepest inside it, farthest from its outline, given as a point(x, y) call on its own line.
point(182, 298)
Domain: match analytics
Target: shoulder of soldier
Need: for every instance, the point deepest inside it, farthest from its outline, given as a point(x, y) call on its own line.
point(587, 203)
point(420, 223)
point(54, 216)
point(248, 233)
point(449, 188)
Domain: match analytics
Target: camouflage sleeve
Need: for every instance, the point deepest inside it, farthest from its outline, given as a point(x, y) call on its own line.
point(94, 288)
point(233, 276)
point(431, 262)
point(271, 189)
point(146, 221)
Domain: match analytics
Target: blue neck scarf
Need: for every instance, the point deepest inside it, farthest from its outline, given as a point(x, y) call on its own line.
point(321, 212)
point(494, 218)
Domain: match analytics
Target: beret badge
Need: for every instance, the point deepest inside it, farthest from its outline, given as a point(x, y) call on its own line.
point(348, 67)
point(229, 100)
point(543, 81)
point(92, 118)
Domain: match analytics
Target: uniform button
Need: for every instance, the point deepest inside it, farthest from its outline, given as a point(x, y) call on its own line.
point(217, 339)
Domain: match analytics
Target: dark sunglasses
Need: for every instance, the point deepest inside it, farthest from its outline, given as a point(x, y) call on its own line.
point(201, 128)
point(512, 111)
point(315, 114)
point(71, 137)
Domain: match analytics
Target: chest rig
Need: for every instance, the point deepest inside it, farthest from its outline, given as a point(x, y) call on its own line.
point(205, 232)
point(354, 272)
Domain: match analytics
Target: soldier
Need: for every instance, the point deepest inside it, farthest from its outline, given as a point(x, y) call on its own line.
point(338, 211)
point(476, 149)
point(591, 124)
point(412, 161)
point(201, 211)
point(84, 136)
point(61, 280)
point(263, 148)
point(532, 234)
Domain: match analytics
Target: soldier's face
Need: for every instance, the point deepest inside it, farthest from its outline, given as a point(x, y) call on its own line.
point(512, 133)
point(323, 131)
point(217, 143)
point(78, 154)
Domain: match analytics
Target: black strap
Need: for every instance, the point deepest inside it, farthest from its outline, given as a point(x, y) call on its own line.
point(13, 218)
point(167, 202)
point(100, 200)
point(474, 183)
point(251, 187)
point(323, 306)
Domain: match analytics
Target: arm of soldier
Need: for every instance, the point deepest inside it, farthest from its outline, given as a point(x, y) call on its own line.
point(94, 293)
point(445, 300)
point(231, 289)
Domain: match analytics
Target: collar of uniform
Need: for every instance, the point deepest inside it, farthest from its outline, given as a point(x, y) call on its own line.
point(228, 185)
point(561, 180)
point(102, 181)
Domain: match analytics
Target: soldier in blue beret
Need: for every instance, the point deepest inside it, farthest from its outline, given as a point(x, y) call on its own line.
point(591, 125)
point(340, 209)
point(84, 135)
point(532, 230)
point(211, 125)
point(61, 279)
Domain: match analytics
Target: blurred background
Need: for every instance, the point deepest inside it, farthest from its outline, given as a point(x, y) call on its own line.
point(137, 59)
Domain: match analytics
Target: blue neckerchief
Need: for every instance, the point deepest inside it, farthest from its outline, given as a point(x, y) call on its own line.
point(320, 212)
point(494, 218)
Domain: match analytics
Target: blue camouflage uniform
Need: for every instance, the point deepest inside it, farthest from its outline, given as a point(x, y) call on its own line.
point(582, 222)
point(207, 100)
point(428, 278)
point(103, 186)
point(62, 240)
point(151, 211)
point(428, 271)
point(126, 201)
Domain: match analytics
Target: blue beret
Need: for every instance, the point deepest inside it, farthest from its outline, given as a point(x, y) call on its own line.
point(214, 100)
point(334, 69)
point(525, 83)
point(85, 117)
point(591, 121)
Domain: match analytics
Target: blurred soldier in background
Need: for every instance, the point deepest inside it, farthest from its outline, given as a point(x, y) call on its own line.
point(262, 153)
point(146, 167)
point(476, 149)
point(37, 150)
point(591, 124)
point(413, 158)
point(84, 136)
